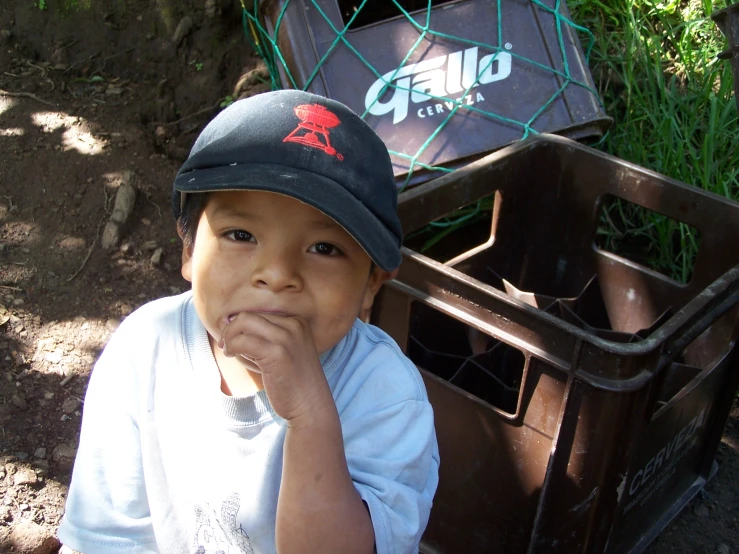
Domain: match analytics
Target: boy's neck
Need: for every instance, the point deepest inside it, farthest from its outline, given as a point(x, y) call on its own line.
point(236, 380)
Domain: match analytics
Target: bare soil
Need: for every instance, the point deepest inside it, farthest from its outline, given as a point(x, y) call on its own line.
point(88, 94)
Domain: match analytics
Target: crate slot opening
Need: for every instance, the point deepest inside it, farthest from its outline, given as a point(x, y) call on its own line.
point(466, 357)
point(649, 238)
point(700, 356)
point(460, 234)
point(376, 11)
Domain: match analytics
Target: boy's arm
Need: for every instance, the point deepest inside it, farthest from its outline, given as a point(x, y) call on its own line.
point(319, 508)
point(382, 455)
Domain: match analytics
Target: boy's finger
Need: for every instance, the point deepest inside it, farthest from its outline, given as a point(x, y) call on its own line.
point(277, 328)
point(249, 346)
point(259, 351)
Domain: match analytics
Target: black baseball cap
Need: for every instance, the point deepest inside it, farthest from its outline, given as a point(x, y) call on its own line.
point(308, 147)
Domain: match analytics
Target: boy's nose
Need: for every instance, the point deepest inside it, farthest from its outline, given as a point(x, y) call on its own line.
point(276, 271)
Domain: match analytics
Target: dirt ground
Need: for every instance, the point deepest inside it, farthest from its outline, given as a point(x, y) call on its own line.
point(89, 94)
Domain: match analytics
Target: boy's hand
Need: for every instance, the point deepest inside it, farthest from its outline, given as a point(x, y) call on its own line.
point(282, 349)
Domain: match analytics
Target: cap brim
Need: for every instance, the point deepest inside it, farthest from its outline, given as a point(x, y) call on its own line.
point(315, 190)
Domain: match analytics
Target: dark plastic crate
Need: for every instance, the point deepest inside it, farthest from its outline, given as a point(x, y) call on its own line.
point(582, 415)
point(728, 21)
point(511, 87)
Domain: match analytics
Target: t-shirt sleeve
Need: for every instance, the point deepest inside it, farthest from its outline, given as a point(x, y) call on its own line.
point(395, 469)
point(107, 509)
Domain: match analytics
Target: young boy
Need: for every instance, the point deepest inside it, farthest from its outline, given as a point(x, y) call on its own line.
point(256, 413)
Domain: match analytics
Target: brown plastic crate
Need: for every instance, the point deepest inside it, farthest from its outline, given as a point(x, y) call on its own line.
point(586, 423)
point(511, 87)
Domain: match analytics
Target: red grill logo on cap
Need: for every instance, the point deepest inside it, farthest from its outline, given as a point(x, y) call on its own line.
point(314, 127)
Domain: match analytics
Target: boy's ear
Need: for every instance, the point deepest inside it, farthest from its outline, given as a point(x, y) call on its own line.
point(376, 280)
point(186, 269)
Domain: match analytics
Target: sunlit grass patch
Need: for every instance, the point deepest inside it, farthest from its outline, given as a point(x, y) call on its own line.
point(673, 104)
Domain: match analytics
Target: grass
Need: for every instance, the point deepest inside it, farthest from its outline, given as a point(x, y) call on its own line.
point(673, 104)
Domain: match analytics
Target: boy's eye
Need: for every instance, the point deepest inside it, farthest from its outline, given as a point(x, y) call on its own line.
point(240, 235)
point(325, 249)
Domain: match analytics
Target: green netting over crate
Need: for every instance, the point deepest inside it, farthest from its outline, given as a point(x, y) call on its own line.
point(441, 82)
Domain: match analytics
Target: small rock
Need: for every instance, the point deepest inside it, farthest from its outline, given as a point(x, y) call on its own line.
point(5, 35)
point(21, 455)
point(24, 476)
point(40, 452)
point(46, 344)
point(112, 324)
point(54, 357)
point(64, 453)
point(48, 395)
point(211, 8)
point(258, 75)
point(111, 235)
point(114, 91)
point(124, 198)
point(723, 549)
point(183, 29)
point(30, 538)
point(19, 402)
point(156, 257)
point(70, 405)
point(125, 310)
point(701, 510)
point(23, 507)
point(18, 302)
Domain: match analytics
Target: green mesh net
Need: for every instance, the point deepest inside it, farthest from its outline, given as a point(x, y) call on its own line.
point(416, 71)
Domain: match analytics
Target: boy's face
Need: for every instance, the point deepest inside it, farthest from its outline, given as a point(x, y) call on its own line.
point(268, 253)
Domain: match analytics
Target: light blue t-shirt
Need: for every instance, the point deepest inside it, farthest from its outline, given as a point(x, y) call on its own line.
point(168, 463)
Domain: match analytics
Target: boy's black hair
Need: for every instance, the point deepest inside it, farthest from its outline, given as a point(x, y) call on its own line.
point(187, 222)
